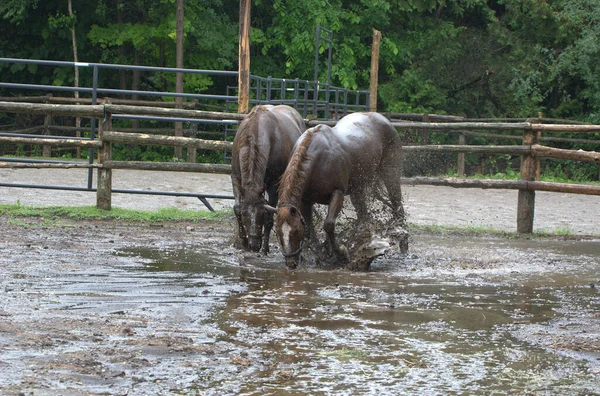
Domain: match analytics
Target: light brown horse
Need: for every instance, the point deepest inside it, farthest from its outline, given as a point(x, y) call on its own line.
point(329, 163)
point(261, 149)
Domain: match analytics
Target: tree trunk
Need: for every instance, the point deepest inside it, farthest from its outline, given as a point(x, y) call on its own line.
point(76, 78)
point(179, 77)
point(135, 84)
point(122, 75)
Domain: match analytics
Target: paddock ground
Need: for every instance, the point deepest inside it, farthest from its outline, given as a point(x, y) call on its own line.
point(110, 307)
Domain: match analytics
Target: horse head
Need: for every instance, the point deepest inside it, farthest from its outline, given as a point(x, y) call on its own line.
point(290, 228)
point(254, 215)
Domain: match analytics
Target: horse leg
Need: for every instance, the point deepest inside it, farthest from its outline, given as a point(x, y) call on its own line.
point(335, 206)
point(390, 173)
point(358, 199)
point(308, 220)
point(391, 178)
point(241, 240)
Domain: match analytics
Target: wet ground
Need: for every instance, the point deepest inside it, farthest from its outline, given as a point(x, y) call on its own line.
point(113, 308)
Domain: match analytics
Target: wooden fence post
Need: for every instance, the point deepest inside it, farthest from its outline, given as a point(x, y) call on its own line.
point(538, 163)
point(47, 150)
point(104, 191)
point(460, 166)
point(191, 151)
point(374, 70)
point(425, 132)
point(244, 58)
point(526, 201)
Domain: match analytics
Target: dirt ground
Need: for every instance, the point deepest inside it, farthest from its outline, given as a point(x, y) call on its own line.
point(106, 307)
point(425, 205)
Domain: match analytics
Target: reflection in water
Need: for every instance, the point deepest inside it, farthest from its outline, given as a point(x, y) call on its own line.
point(470, 317)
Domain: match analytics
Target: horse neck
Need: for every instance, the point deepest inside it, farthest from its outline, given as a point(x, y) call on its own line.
point(295, 177)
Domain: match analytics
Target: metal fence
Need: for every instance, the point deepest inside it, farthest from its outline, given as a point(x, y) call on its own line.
point(312, 99)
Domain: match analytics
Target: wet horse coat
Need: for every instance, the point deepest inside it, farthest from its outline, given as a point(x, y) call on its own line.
point(330, 163)
point(261, 150)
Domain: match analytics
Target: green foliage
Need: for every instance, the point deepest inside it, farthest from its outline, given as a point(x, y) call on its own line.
point(17, 11)
point(471, 57)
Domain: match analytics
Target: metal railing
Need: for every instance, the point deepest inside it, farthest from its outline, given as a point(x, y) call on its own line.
point(312, 99)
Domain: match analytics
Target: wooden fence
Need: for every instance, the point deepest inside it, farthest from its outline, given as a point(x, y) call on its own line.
point(526, 186)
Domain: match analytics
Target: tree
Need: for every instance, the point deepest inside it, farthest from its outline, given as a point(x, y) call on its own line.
point(180, 35)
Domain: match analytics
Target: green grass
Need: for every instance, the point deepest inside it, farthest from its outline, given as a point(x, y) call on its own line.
point(477, 231)
point(466, 230)
point(50, 215)
point(93, 213)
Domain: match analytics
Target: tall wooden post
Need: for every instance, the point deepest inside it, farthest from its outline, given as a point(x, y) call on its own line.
point(374, 70)
point(244, 58)
point(104, 190)
point(526, 200)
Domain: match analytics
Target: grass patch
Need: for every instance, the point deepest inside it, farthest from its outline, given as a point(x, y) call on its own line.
point(466, 230)
point(476, 231)
point(93, 213)
point(50, 215)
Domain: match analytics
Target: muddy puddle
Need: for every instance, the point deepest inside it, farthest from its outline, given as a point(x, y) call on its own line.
point(179, 311)
point(485, 316)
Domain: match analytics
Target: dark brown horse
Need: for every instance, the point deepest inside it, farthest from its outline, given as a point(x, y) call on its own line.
point(261, 150)
point(329, 163)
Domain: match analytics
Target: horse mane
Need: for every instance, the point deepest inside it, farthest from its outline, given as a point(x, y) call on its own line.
point(295, 176)
point(254, 161)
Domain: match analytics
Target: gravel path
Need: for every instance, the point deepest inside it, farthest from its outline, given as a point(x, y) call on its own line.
point(425, 205)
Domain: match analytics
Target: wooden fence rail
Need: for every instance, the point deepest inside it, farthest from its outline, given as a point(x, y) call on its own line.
point(529, 151)
point(499, 126)
point(176, 141)
point(99, 111)
point(586, 189)
point(535, 150)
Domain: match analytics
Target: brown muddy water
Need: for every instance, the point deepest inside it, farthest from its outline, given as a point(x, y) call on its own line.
point(458, 315)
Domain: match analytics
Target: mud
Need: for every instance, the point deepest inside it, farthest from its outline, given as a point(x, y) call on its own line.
point(107, 307)
point(104, 307)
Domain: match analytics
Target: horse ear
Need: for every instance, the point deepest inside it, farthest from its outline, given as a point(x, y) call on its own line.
point(270, 209)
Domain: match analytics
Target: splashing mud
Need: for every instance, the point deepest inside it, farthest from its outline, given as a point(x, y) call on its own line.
point(364, 240)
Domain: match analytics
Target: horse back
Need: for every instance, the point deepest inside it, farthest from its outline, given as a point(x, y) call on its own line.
point(349, 155)
point(264, 142)
point(360, 141)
